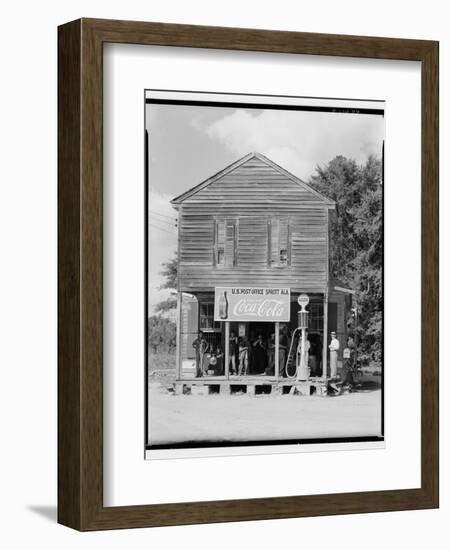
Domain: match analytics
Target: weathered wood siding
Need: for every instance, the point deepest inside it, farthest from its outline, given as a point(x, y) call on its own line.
point(253, 194)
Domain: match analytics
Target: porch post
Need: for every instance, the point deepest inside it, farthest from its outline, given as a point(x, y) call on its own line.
point(325, 335)
point(227, 349)
point(277, 349)
point(178, 338)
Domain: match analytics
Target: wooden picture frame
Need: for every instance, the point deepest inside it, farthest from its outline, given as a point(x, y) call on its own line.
point(80, 271)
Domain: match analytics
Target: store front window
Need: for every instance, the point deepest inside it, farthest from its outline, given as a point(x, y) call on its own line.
point(206, 321)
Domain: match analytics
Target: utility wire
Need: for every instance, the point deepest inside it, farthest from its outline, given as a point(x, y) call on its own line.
point(163, 215)
point(163, 229)
point(171, 224)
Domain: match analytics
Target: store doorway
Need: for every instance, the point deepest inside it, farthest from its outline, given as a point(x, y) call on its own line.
point(262, 347)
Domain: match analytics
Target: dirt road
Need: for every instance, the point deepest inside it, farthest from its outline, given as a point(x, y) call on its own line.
point(175, 419)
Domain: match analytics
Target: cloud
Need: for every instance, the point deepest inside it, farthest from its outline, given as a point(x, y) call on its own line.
point(299, 140)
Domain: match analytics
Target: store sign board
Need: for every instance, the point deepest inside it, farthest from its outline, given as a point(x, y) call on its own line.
point(252, 304)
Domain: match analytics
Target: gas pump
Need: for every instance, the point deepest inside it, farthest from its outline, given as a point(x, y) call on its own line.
point(301, 362)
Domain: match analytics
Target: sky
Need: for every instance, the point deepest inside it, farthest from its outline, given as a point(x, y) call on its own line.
point(188, 144)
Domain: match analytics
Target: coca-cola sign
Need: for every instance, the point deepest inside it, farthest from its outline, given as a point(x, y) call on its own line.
point(252, 304)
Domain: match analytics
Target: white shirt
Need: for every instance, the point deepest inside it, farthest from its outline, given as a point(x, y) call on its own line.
point(334, 345)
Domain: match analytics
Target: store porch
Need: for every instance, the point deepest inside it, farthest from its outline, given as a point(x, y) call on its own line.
point(251, 385)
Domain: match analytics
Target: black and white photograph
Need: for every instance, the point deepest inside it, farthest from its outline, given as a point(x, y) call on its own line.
point(264, 271)
point(228, 225)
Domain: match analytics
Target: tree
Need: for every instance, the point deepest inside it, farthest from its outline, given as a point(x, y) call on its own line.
point(161, 334)
point(356, 247)
point(369, 262)
point(161, 329)
point(170, 272)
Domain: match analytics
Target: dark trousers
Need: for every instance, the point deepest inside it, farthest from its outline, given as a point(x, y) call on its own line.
point(347, 375)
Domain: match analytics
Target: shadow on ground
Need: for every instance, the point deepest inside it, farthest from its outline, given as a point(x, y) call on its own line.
point(47, 512)
point(369, 383)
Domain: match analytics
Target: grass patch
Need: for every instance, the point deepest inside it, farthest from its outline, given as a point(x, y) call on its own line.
point(161, 362)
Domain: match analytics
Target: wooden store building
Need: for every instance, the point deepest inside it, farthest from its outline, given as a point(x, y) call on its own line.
point(252, 239)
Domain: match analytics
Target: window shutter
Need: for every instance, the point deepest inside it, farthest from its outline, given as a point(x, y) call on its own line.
point(279, 242)
point(283, 256)
point(225, 243)
point(220, 243)
point(274, 242)
point(229, 243)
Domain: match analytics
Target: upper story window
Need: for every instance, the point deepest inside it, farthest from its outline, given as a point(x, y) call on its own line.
point(225, 243)
point(279, 245)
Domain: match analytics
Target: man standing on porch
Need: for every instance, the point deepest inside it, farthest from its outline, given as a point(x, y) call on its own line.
point(283, 347)
point(201, 346)
point(333, 347)
point(234, 344)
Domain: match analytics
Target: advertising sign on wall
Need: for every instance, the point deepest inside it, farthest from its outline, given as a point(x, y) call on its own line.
point(252, 304)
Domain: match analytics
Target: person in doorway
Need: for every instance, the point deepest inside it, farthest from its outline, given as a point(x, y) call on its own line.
point(250, 341)
point(259, 355)
point(313, 355)
point(270, 369)
point(200, 345)
point(218, 370)
point(334, 348)
point(283, 347)
point(243, 356)
point(211, 362)
point(234, 350)
point(348, 381)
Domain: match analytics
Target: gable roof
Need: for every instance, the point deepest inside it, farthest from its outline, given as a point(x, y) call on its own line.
point(190, 192)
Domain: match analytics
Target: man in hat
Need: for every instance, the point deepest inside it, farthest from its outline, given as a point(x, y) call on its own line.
point(333, 347)
point(347, 380)
point(200, 344)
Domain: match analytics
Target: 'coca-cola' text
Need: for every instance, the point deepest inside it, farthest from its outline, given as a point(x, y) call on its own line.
point(265, 308)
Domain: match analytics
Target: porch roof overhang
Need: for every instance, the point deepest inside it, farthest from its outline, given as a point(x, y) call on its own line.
point(335, 285)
